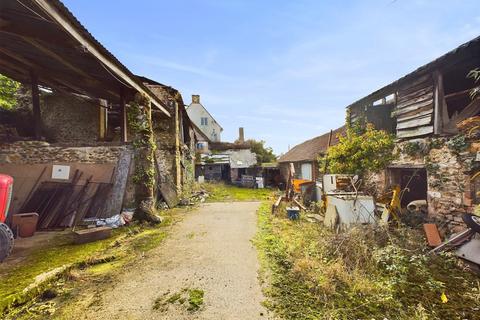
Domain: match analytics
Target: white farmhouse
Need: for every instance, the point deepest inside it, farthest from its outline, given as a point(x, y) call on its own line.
point(203, 120)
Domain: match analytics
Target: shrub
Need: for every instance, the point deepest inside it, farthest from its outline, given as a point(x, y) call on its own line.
point(360, 151)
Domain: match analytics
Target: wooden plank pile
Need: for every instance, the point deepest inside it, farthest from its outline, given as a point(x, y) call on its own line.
point(65, 204)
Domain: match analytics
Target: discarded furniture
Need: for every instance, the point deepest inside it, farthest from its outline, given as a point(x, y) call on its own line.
point(351, 206)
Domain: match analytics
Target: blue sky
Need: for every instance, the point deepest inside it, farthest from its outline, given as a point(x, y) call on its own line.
point(283, 69)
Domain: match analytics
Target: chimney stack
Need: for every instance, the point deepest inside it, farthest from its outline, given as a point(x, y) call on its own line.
point(195, 98)
point(241, 135)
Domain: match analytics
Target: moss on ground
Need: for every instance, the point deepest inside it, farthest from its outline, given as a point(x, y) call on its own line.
point(365, 273)
point(193, 296)
point(123, 247)
point(220, 192)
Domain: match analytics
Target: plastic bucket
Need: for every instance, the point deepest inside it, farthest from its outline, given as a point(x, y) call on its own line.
point(293, 213)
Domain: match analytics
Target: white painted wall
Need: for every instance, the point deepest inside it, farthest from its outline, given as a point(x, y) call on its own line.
point(196, 111)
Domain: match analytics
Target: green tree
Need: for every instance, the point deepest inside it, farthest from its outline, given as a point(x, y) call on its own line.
point(8, 90)
point(361, 151)
point(264, 154)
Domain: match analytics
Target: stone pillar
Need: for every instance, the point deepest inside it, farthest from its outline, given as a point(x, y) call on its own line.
point(178, 165)
point(140, 122)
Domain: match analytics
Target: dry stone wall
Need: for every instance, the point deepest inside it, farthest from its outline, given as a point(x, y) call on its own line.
point(33, 152)
point(449, 162)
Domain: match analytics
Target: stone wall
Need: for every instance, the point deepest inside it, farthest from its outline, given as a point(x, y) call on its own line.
point(70, 118)
point(449, 163)
point(33, 152)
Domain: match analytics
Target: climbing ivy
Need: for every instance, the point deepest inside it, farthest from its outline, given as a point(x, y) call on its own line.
point(458, 144)
point(139, 121)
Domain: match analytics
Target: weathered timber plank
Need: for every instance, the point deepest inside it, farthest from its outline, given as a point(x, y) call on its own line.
point(422, 81)
point(427, 96)
point(411, 90)
point(420, 131)
point(414, 114)
point(114, 202)
point(420, 121)
point(417, 106)
point(413, 95)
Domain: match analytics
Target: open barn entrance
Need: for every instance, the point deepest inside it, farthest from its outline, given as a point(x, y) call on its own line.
point(412, 182)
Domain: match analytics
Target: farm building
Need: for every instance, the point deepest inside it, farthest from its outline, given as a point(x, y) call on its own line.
point(72, 142)
point(305, 155)
point(425, 110)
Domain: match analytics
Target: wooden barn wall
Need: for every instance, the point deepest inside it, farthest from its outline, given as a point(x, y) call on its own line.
point(414, 109)
point(356, 113)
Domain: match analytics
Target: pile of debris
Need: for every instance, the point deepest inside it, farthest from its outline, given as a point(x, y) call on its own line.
point(196, 197)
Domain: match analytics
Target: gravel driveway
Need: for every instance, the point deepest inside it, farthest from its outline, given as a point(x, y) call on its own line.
point(210, 250)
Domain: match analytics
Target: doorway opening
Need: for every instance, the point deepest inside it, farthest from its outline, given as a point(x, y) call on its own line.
point(412, 182)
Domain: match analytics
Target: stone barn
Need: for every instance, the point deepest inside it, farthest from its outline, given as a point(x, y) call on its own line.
point(425, 110)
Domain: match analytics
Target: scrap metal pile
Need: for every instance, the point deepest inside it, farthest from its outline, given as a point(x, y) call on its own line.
point(343, 205)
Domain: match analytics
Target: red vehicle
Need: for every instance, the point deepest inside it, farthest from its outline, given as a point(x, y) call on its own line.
point(6, 235)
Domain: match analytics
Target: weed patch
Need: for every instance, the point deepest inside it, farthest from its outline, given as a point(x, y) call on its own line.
point(193, 296)
point(195, 299)
point(365, 273)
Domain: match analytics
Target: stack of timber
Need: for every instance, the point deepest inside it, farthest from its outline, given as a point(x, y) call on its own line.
point(414, 108)
point(65, 204)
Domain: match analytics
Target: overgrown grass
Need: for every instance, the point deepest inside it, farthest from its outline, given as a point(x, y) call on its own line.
point(125, 245)
point(220, 192)
point(365, 273)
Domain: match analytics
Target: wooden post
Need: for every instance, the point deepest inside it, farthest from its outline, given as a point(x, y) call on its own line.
point(326, 152)
point(438, 103)
point(37, 117)
point(102, 120)
point(123, 118)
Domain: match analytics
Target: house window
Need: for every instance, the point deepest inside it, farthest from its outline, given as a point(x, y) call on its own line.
point(204, 121)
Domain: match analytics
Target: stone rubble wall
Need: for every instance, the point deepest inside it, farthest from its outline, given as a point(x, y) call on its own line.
point(33, 152)
point(70, 118)
point(450, 192)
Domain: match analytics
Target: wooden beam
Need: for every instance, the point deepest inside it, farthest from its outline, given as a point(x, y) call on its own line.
point(57, 57)
point(66, 63)
point(438, 103)
point(43, 74)
point(123, 117)
point(102, 120)
point(58, 17)
point(37, 117)
point(459, 93)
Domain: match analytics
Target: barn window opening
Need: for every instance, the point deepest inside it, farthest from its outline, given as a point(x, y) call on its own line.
point(379, 113)
point(459, 105)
